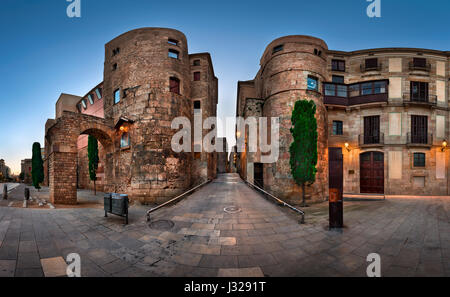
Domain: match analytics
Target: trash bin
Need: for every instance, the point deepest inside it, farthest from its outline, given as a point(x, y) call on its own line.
point(116, 204)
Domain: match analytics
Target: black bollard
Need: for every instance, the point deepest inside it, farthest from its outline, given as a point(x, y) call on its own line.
point(5, 192)
point(27, 194)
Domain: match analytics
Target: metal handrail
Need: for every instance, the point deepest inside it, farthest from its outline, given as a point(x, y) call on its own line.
point(174, 199)
point(302, 213)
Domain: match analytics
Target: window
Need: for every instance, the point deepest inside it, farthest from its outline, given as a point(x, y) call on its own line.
point(278, 48)
point(379, 87)
point(174, 54)
point(91, 99)
point(419, 91)
point(338, 79)
point(419, 129)
point(366, 89)
point(98, 91)
point(114, 66)
point(330, 90)
point(353, 90)
point(420, 62)
point(419, 160)
point(196, 62)
point(337, 128)
point(372, 130)
point(83, 102)
point(317, 52)
point(312, 83)
point(116, 96)
point(341, 91)
point(174, 85)
point(172, 41)
point(125, 140)
point(196, 76)
point(79, 107)
point(371, 63)
point(197, 104)
point(338, 65)
point(116, 51)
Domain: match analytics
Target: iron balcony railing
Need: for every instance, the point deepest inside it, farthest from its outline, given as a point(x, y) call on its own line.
point(418, 66)
point(365, 68)
point(419, 138)
point(368, 139)
point(425, 100)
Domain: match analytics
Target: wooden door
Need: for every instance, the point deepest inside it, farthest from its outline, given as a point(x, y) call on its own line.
point(372, 172)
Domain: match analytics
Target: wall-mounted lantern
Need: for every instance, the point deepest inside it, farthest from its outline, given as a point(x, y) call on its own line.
point(347, 146)
point(444, 145)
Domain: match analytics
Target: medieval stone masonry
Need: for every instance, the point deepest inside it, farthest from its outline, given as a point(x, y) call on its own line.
point(149, 79)
point(385, 109)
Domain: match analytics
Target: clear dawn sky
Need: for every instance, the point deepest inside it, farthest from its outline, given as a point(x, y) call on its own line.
point(44, 53)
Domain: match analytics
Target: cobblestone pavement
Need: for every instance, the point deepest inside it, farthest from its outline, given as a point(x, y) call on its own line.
point(261, 239)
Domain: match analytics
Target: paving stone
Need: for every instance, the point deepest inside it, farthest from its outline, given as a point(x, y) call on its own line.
point(7, 268)
point(241, 272)
point(54, 267)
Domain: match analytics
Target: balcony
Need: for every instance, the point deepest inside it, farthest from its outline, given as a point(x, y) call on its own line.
point(356, 94)
point(366, 68)
point(427, 100)
point(370, 140)
point(420, 139)
point(414, 66)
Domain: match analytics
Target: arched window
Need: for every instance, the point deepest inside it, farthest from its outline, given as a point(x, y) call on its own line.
point(174, 84)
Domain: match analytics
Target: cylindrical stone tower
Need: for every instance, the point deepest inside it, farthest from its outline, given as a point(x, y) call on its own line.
point(286, 66)
point(147, 85)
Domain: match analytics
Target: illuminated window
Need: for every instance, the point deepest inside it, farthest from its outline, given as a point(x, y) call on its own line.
point(125, 140)
point(116, 96)
point(98, 91)
point(174, 54)
point(174, 84)
point(91, 99)
point(312, 83)
point(196, 76)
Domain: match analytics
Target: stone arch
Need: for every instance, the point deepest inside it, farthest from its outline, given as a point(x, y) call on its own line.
point(61, 137)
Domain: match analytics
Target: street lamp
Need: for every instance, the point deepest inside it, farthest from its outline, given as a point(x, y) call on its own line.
point(444, 145)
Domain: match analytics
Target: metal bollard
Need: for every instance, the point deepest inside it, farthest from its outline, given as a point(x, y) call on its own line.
point(5, 192)
point(27, 194)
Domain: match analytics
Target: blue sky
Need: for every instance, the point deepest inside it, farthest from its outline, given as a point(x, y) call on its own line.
point(44, 53)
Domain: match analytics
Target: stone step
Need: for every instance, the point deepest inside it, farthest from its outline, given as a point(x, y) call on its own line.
point(364, 197)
